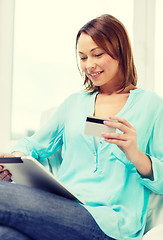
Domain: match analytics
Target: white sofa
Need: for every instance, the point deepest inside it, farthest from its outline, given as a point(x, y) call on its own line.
point(155, 233)
point(154, 223)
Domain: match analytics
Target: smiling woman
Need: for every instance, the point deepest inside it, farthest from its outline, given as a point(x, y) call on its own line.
point(113, 174)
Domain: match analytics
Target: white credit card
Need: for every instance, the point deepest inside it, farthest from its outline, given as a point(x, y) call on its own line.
point(94, 126)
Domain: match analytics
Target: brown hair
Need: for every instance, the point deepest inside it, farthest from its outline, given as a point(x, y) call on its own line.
point(107, 29)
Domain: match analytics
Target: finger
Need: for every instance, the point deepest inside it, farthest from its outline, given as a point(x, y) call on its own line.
point(3, 155)
point(118, 136)
point(118, 125)
point(1, 167)
point(7, 178)
point(119, 143)
point(121, 120)
point(3, 174)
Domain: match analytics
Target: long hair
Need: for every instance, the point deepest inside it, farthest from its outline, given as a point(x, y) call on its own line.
point(107, 29)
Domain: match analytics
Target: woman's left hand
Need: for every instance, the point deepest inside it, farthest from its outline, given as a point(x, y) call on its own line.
point(5, 175)
point(126, 140)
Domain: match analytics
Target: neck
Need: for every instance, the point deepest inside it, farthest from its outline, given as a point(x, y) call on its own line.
point(112, 91)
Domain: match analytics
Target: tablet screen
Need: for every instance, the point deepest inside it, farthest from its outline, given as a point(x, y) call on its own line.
point(11, 160)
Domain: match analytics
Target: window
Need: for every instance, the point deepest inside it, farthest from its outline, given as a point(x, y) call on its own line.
point(159, 48)
point(44, 64)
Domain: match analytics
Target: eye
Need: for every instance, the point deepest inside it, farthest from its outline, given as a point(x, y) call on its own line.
point(98, 55)
point(83, 58)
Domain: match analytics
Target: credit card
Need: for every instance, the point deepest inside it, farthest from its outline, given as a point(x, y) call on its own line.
point(94, 126)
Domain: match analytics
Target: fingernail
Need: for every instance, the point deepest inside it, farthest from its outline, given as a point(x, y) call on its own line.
point(1, 167)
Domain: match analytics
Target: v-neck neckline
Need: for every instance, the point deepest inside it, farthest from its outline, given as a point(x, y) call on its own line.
point(123, 109)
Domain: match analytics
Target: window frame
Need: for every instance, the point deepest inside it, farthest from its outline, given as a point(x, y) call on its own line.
point(6, 63)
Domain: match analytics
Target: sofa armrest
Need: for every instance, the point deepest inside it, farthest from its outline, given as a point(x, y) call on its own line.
point(155, 233)
point(155, 211)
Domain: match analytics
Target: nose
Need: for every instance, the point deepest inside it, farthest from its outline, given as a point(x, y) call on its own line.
point(90, 65)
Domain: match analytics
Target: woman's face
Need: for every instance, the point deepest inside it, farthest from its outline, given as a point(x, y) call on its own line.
point(98, 66)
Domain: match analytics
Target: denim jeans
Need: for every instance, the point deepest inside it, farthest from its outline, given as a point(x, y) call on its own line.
point(9, 233)
point(29, 213)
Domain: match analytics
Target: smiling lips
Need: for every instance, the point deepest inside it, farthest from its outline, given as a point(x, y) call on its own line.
point(95, 75)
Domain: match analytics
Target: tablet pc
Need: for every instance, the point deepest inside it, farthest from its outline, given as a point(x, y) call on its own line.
point(28, 171)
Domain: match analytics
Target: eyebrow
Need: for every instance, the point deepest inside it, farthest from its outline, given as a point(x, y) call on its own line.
point(91, 50)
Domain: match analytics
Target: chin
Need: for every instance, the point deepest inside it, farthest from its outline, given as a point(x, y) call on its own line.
point(96, 84)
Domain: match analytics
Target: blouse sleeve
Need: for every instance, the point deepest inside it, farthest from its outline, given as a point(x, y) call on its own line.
point(155, 153)
point(48, 139)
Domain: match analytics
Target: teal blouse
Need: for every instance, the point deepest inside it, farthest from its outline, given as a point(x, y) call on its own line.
point(114, 192)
